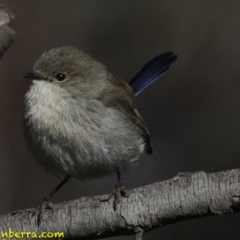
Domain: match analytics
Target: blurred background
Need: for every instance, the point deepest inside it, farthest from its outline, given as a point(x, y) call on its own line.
point(193, 111)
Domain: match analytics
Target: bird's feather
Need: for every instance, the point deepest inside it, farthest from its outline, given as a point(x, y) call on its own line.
point(121, 97)
point(151, 71)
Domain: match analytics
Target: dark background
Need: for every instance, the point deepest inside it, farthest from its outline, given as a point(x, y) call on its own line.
point(193, 111)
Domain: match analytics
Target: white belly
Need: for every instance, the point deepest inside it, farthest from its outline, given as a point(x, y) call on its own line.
point(79, 137)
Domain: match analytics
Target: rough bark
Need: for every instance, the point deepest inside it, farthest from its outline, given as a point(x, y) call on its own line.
point(7, 35)
point(186, 196)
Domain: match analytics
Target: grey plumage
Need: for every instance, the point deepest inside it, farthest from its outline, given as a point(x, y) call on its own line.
point(85, 125)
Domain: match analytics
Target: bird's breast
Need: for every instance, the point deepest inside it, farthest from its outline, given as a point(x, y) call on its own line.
point(78, 136)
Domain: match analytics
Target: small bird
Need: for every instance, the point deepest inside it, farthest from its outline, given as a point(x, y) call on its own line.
point(80, 120)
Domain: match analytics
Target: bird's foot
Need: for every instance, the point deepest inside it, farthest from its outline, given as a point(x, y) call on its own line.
point(118, 192)
point(47, 204)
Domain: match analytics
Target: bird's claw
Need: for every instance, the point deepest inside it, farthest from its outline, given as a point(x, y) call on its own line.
point(118, 192)
point(47, 204)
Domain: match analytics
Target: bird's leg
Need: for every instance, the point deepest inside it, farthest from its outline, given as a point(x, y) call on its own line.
point(118, 192)
point(47, 201)
point(120, 186)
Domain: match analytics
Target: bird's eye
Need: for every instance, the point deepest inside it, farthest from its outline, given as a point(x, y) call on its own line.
point(60, 77)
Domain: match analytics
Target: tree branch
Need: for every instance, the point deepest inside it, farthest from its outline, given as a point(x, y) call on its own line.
point(7, 35)
point(186, 196)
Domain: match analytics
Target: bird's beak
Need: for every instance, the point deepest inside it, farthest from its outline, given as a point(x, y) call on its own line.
point(31, 76)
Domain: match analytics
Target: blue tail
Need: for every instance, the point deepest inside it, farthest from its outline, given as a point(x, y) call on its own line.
point(151, 71)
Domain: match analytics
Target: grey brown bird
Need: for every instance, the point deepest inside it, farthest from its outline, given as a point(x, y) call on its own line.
point(80, 120)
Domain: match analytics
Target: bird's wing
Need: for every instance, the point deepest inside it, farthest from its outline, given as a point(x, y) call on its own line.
point(121, 97)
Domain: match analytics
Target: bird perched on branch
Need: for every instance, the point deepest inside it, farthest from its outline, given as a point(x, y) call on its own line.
point(80, 120)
